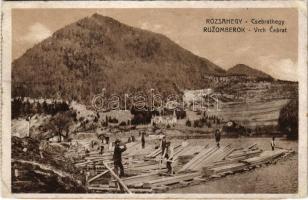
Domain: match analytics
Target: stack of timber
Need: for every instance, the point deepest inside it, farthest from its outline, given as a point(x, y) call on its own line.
point(146, 166)
point(191, 150)
point(265, 157)
point(188, 153)
point(140, 181)
point(207, 157)
point(157, 152)
point(244, 164)
point(248, 152)
point(148, 174)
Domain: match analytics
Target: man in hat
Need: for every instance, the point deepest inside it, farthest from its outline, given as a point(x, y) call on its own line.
point(117, 157)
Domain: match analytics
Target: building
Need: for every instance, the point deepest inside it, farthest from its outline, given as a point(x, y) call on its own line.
point(164, 120)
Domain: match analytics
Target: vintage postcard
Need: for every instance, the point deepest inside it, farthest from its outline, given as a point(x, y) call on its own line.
point(154, 99)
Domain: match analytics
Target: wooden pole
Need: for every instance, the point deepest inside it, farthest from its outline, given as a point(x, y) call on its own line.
point(118, 179)
point(97, 176)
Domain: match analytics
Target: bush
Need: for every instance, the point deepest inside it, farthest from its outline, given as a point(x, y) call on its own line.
point(288, 119)
point(113, 120)
point(198, 123)
point(142, 116)
point(122, 123)
point(180, 114)
point(24, 108)
point(188, 123)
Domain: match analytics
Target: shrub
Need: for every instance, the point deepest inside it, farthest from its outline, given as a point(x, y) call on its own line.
point(188, 123)
point(122, 123)
point(113, 120)
point(288, 119)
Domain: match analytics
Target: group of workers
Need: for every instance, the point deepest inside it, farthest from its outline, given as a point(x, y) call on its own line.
point(167, 151)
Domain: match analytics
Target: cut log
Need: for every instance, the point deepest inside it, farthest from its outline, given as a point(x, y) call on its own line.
point(265, 157)
point(140, 180)
point(217, 155)
point(174, 179)
point(107, 189)
point(97, 176)
point(117, 178)
point(198, 157)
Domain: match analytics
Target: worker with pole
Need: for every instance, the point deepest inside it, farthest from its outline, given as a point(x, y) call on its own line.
point(117, 158)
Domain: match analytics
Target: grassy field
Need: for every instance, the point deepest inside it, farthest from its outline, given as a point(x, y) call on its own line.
point(252, 114)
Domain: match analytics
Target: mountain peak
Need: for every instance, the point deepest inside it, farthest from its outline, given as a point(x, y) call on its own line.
point(100, 52)
point(242, 69)
point(103, 18)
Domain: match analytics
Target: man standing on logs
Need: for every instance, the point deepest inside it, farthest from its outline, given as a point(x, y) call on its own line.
point(217, 137)
point(273, 143)
point(142, 140)
point(168, 155)
point(117, 158)
point(163, 145)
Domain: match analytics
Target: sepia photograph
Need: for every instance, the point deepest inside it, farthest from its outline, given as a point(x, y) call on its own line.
point(172, 100)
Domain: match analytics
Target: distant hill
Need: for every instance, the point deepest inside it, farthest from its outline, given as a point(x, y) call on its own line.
point(241, 69)
point(97, 52)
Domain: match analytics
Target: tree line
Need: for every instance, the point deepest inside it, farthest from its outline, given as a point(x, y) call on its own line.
point(23, 107)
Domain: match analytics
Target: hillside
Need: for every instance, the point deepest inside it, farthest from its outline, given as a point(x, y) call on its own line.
point(98, 52)
point(241, 69)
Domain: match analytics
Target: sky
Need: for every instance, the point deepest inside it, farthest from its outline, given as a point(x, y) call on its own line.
point(273, 53)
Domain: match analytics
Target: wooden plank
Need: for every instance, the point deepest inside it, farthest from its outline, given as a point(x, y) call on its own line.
point(107, 189)
point(265, 156)
point(177, 151)
point(144, 168)
point(192, 150)
point(252, 146)
point(118, 179)
point(198, 157)
point(153, 153)
point(244, 153)
point(220, 154)
point(144, 163)
point(231, 167)
point(214, 156)
point(140, 176)
point(97, 176)
point(174, 179)
point(140, 179)
point(158, 151)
